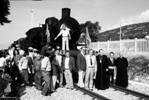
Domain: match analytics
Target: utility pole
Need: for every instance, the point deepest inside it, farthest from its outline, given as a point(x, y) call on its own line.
point(32, 18)
point(120, 37)
point(120, 33)
point(42, 37)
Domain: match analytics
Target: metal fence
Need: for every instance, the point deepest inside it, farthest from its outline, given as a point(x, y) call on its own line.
point(127, 47)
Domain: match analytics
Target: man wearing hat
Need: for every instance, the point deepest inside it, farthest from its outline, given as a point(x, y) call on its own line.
point(37, 67)
point(30, 58)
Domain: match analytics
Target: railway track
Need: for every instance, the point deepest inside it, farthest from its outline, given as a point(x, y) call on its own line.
point(141, 96)
point(92, 94)
point(8, 98)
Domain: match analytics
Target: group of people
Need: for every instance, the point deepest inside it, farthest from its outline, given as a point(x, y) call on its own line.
point(51, 68)
point(98, 70)
point(45, 70)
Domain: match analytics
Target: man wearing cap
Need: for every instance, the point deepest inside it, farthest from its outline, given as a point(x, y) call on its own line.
point(30, 58)
point(23, 67)
point(46, 69)
point(37, 66)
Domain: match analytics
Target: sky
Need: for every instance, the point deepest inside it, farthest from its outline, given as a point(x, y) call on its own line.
point(110, 14)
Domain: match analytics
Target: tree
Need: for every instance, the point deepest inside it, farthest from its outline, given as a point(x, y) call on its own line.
point(4, 11)
point(93, 29)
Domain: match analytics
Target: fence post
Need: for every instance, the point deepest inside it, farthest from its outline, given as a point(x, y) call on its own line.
point(98, 46)
point(135, 40)
point(120, 45)
point(108, 46)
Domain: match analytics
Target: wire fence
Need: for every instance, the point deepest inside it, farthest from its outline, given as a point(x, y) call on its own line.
point(127, 47)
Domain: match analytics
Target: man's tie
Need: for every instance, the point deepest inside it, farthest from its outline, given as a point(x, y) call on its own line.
point(91, 60)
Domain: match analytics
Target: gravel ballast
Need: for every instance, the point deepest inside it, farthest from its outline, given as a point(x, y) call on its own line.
point(31, 93)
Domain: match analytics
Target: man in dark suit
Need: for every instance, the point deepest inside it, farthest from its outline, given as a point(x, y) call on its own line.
point(68, 65)
point(81, 64)
point(112, 67)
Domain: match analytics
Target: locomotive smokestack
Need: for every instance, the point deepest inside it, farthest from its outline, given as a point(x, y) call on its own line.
point(66, 12)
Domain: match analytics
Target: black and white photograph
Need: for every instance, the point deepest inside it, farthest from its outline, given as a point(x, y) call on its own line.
point(74, 49)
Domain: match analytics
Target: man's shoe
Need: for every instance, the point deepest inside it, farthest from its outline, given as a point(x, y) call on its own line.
point(91, 89)
point(44, 94)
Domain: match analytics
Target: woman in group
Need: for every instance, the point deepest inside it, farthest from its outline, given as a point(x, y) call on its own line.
point(121, 66)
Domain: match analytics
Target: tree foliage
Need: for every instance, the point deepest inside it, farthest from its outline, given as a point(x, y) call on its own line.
point(139, 30)
point(93, 29)
point(4, 11)
point(138, 68)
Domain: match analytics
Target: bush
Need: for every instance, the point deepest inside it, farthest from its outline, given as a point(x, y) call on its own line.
point(138, 68)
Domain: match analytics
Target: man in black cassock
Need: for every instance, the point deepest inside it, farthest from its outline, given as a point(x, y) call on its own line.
point(102, 76)
point(121, 66)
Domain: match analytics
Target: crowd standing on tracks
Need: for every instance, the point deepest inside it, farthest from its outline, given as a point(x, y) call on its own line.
point(52, 68)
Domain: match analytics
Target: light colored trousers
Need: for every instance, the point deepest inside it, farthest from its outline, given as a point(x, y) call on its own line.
point(89, 78)
point(61, 79)
point(65, 42)
point(81, 77)
point(68, 78)
point(54, 79)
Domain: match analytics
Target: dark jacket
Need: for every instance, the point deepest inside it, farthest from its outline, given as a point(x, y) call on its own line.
point(122, 76)
point(110, 63)
point(37, 64)
point(71, 63)
point(54, 61)
point(81, 62)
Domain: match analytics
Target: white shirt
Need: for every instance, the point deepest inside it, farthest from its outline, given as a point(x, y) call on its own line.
point(88, 61)
point(66, 63)
point(23, 63)
point(65, 33)
point(59, 59)
point(45, 64)
point(2, 62)
point(82, 53)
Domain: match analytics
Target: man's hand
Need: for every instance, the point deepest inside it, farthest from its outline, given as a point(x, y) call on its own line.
point(29, 71)
point(107, 69)
point(55, 38)
point(94, 76)
point(21, 71)
point(69, 37)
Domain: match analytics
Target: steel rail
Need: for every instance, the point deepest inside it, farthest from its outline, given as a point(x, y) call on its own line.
point(128, 91)
point(92, 94)
point(8, 98)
